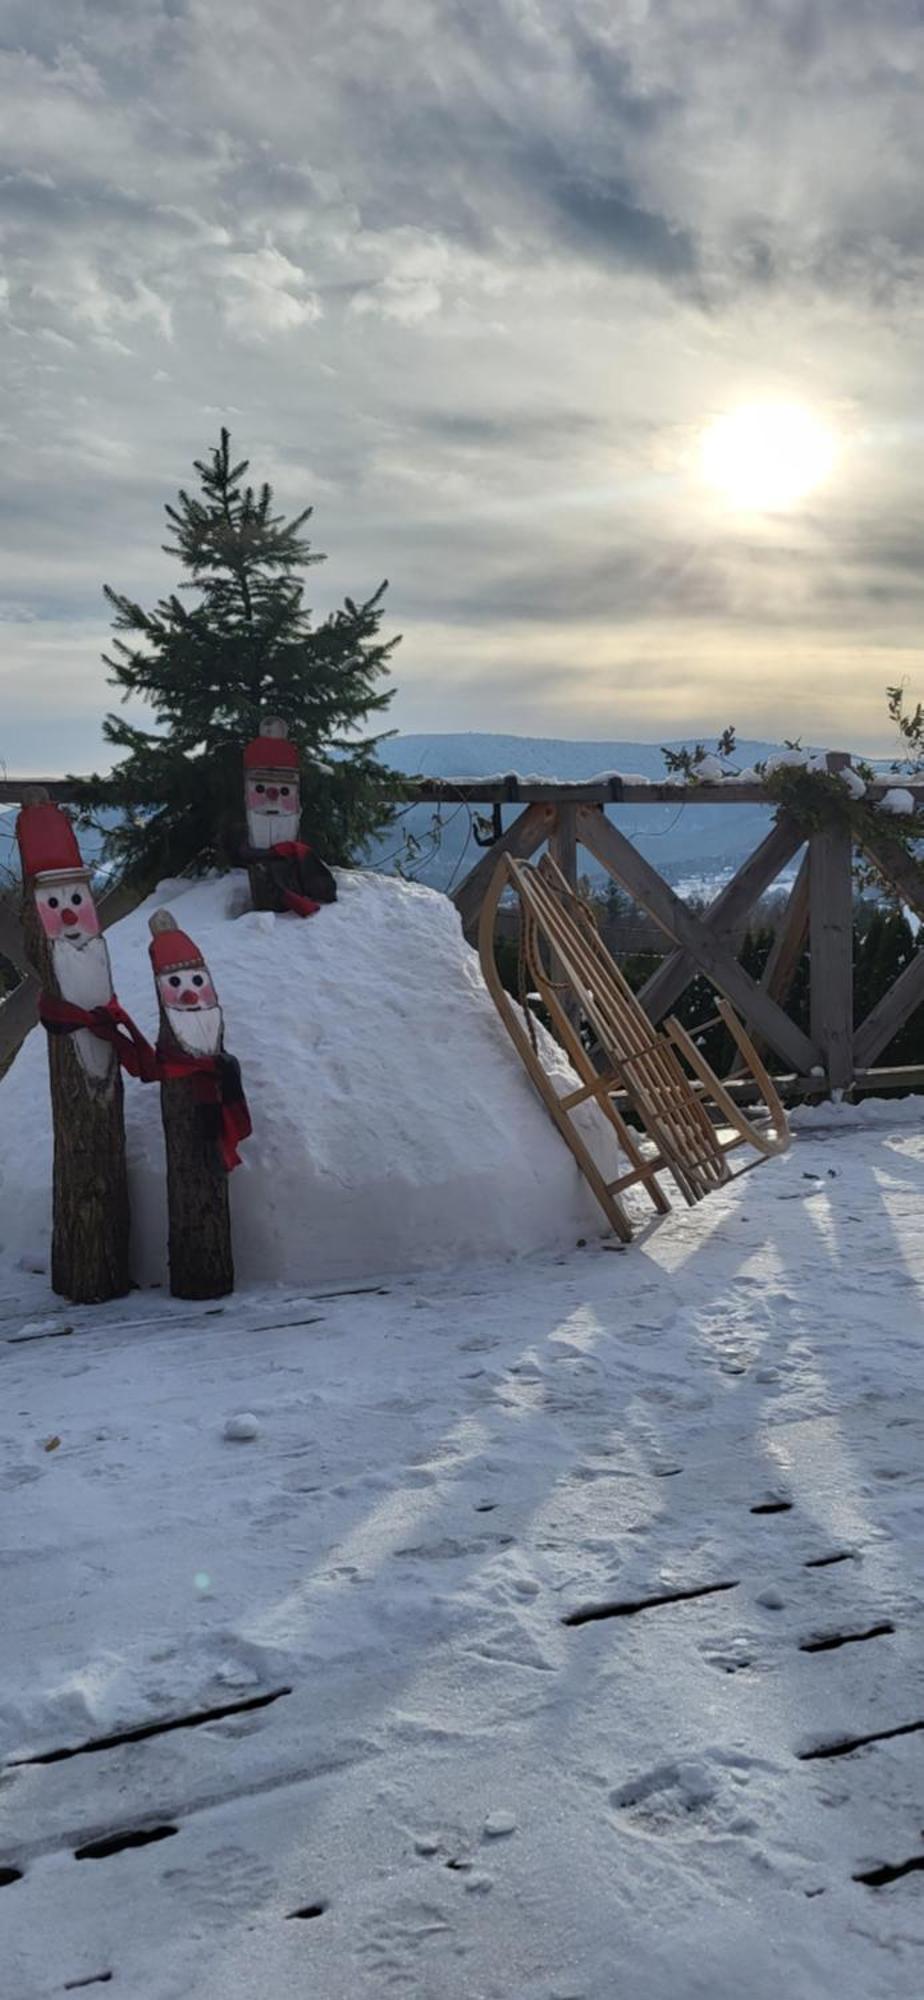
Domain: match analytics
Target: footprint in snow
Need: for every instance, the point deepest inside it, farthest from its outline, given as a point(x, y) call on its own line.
point(680, 1798)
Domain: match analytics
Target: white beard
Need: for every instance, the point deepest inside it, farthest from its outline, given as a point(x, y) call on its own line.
point(84, 977)
point(264, 829)
point(197, 1029)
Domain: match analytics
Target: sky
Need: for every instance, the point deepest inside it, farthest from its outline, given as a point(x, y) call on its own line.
point(474, 278)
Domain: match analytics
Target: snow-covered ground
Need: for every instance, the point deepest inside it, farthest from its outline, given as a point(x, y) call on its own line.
point(428, 1780)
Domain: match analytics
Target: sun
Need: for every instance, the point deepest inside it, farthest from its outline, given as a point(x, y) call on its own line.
point(767, 456)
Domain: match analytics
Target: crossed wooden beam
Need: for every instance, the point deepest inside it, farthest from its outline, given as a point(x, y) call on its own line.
point(819, 911)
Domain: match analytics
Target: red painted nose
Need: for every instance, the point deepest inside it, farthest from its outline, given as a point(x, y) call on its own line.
point(69, 917)
point(271, 792)
point(190, 998)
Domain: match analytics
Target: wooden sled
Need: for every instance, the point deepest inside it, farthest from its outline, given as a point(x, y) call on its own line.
point(568, 965)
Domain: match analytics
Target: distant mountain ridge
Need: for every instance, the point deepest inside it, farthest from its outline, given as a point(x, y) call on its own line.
point(686, 843)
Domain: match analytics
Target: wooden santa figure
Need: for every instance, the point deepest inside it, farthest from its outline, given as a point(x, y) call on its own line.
point(204, 1114)
point(285, 873)
point(90, 1229)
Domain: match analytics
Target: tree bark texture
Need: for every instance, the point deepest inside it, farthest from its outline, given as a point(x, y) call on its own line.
point(198, 1211)
point(90, 1211)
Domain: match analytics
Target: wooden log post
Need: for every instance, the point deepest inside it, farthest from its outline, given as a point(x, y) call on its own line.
point(285, 873)
point(191, 1027)
point(90, 1212)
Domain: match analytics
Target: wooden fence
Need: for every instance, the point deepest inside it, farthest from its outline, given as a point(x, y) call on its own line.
point(836, 1054)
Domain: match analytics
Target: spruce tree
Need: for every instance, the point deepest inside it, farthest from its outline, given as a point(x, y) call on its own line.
point(214, 668)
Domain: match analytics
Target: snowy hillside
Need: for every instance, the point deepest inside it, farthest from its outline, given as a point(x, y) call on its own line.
point(394, 1126)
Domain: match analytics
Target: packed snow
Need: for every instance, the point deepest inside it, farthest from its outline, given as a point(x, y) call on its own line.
point(429, 1622)
point(394, 1124)
point(551, 1635)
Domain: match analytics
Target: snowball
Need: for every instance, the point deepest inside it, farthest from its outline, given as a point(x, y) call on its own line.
point(243, 1427)
point(498, 1824)
point(897, 800)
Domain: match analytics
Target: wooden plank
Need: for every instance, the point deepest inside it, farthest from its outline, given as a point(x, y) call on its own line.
point(643, 882)
point(663, 989)
point(528, 832)
point(18, 1013)
point(529, 791)
point(12, 941)
point(831, 949)
point(786, 950)
point(563, 843)
point(900, 869)
point(789, 942)
point(889, 1015)
point(11, 789)
point(497, 790)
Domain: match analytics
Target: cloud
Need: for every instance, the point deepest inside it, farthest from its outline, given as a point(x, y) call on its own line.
point(473, 278)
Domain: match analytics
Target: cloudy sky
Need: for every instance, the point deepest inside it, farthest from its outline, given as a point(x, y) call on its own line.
point(474, 277)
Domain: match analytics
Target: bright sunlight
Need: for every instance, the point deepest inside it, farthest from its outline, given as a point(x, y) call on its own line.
point(765, 456)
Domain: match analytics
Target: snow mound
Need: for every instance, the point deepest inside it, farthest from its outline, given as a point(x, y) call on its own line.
point(394, 1125)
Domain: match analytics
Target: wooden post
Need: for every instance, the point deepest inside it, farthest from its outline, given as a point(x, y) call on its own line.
point(563, 843)
point(199, 1218)
point(285, 873)
point(90, 1226)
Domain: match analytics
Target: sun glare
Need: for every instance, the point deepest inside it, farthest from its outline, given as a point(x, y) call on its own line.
point(765, 456)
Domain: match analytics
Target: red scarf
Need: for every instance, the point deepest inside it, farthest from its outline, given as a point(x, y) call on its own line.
point(296, 850)
point(216, 1080)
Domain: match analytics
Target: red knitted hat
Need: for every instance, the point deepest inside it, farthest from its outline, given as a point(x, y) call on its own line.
point(47, 842)
point(173, 951)
point(271, 753)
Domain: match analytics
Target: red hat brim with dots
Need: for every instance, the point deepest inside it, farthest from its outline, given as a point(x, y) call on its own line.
point(47, 842)
point(271, 753)
point(173, 951)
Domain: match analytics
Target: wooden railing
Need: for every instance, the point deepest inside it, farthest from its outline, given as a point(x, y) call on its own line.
point(834, 1055)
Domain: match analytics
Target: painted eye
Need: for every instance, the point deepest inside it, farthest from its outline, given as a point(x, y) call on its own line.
point(284, 790)
point(174, 979)
point(52, 902)
point(260, 788)
point(77, 897)
point(198, 979)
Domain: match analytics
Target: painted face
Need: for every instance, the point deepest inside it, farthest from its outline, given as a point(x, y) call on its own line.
point(190, 990)
point(271, 792)
point(66, 910)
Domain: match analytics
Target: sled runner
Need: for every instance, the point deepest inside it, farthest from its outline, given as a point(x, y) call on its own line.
point(564, 961)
